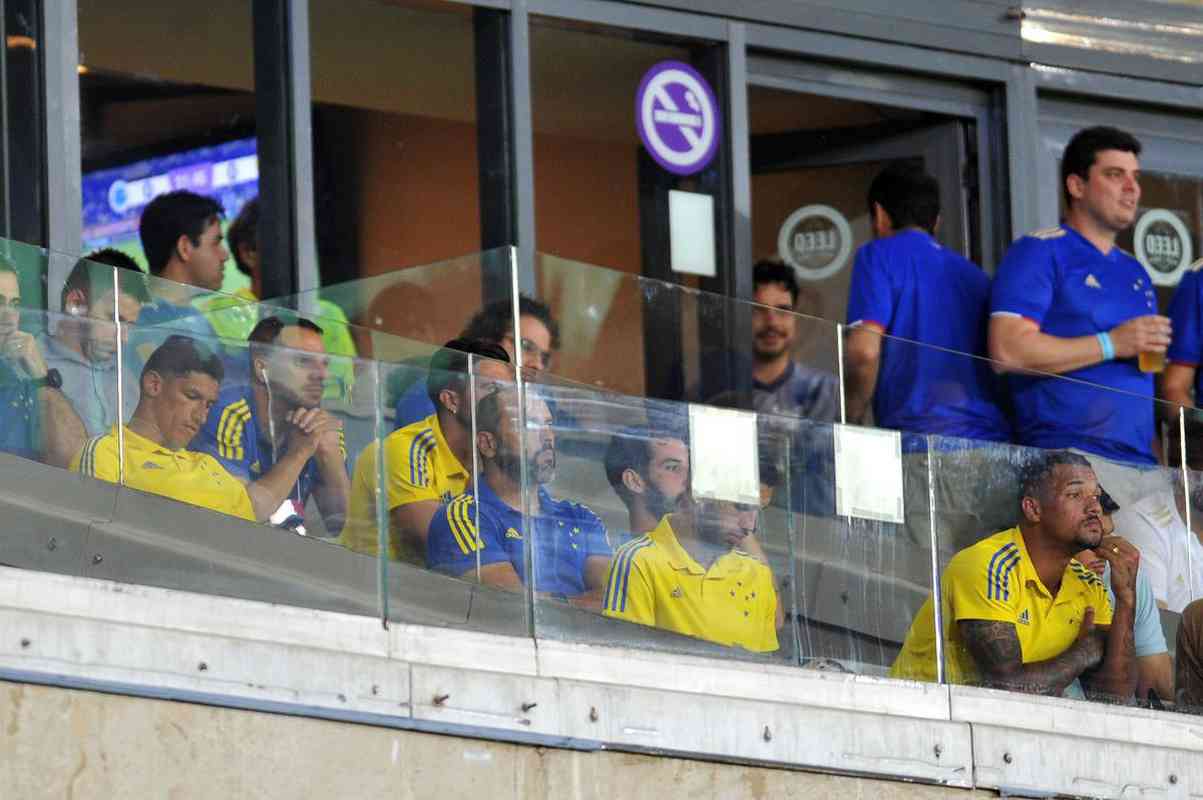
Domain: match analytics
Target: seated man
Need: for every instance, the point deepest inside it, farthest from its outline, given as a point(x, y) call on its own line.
point(38, 422)
point(1154, 668)
point(180, 384)
point(700, 572)
point(427, 462)
point(272, 434)
point(83, 346)
point(649, 471)
point(538, 338)
point(1019, 613)
point(480, 534)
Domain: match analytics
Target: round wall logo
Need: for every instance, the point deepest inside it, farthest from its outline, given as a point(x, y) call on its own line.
point(816, 241)
point(677, 117)
point(1162, 244)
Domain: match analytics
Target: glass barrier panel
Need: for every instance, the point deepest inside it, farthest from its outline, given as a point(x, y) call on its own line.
point(639, 336)
point(445, 535)
point(235, 471)
point(629, 550)
point(1171, 553)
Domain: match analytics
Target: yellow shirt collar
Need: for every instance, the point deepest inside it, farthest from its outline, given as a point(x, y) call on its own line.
point(679, 558)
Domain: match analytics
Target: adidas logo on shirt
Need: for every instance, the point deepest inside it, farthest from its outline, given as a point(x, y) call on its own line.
point(151, 465)
point(1093, 282)
point(1024, 619)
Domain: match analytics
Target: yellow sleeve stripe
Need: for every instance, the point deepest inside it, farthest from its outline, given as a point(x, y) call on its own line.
point(615, 597)
point(463, 528)
point(229, 430)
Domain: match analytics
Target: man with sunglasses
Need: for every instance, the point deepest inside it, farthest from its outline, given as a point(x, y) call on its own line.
point(271, 433)
point(538, 338)
point(700, 572)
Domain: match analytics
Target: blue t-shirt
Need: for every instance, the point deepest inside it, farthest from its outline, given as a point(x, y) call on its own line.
point(231, 435)
point(916, 289)
point(1186, 316)
point(566, 535)
point(414, 404)
point(1064, 284)
point(20, 416)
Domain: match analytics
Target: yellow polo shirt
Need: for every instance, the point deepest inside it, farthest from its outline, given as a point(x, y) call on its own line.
point(418, 464)
point(995, 580)
point(184, 475)
point(654, 581)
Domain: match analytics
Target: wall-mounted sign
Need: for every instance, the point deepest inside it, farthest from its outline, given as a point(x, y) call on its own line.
point(677, 116)
point(816, 241)
point(1162, 244)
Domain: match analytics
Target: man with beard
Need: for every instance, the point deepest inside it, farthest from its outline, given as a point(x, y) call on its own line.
point(1170, 554)
point(83, 345)
point(649, 471)
point(428, 462)
point(272, 435)
point(699, 571)
point(1019, 613)
point(480, 535)
point(1154, 667)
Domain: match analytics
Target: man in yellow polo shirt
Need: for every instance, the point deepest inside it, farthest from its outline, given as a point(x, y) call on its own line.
point(1020, 613)
point(427, 463)
point(179, 385)
point(700, 571)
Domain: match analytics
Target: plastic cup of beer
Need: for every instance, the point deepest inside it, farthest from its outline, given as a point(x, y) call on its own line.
point(1151, 362)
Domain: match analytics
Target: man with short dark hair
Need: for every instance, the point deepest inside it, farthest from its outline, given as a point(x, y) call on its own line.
point(911, 301)
point(481, 534)
point(1068, 301)
point(538, 337)
point(83, 344)
point(1020, 613)
point(649, 471)
point(179, 385)
point(39, 421)
point(272, 433)
point(427, 462)
point(182, 239)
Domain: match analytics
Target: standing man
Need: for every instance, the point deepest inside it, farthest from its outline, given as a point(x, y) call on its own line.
point(1020, 613)
point(1182, 376)
point(272, 434)
point(906, 285)
point(182, 239)
point(480, 535)
point(83, 346)
point(1067, 301)
point(37, 420)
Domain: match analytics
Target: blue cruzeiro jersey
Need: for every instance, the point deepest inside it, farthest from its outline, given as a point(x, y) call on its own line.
point(1064, 284)
point(913, 288)
point(566, 535)
point(231, 435)
point(1186, 315)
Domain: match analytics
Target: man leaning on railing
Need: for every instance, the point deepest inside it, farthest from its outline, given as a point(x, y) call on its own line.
point(1020, 613)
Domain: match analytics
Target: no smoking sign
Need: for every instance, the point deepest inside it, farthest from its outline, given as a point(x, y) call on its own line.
point(677, 117)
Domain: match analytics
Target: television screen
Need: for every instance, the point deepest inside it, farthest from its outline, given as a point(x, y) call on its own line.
point(113, 198)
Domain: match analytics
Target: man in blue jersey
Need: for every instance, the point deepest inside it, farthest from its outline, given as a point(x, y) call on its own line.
point(1182, 376)
point(1067, 301)
point(182, 239)
point(480, 535)
point(906, 285)
point(272, 434)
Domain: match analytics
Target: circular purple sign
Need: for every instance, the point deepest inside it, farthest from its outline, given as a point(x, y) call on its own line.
point(677, 117)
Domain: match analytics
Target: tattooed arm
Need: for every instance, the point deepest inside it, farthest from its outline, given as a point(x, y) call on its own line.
point(995, 649)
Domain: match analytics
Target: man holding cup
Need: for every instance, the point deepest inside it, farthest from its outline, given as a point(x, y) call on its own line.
point(1067, 301)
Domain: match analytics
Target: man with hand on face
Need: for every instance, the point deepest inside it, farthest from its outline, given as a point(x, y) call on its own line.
point(428, 462)
point(1019, 613)
point(272, 434)
point(480, 535)
point(37, 420)
point(1154, 668)
point(700, 572)
point(83, 346)
point(179, 385)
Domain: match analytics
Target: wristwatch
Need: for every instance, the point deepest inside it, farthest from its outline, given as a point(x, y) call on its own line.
point(52, 379)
